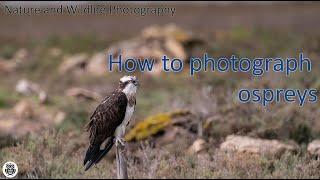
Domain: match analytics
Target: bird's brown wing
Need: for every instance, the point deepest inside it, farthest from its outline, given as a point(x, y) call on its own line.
point(107, 117)
point(103, 123)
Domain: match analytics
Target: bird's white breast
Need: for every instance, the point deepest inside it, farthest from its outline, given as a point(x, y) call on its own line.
point(120, 131)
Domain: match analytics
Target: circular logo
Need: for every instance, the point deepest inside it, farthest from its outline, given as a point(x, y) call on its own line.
point(10, 169)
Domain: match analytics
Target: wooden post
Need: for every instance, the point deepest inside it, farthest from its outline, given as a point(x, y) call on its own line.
point(121, 162)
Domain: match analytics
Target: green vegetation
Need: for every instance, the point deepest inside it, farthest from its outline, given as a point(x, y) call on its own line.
point(7, 51)
point(7, 98)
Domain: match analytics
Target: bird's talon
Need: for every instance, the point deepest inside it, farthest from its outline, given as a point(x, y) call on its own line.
point(120, 141)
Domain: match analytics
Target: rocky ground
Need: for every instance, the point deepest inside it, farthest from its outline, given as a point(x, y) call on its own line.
point(183, 127)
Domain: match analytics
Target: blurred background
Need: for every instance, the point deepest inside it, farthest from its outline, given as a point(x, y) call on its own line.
point(53, 74)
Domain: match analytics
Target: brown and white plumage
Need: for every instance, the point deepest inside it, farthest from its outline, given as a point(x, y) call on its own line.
point(108, 121)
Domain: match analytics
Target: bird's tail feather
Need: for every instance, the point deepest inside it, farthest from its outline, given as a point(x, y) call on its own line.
point(94, 154)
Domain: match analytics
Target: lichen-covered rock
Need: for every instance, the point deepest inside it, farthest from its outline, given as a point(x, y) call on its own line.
point(153, 125)
point(314, 147)
point(171, 31)
point(246, 144)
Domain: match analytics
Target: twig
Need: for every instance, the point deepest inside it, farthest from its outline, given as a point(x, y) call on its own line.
point(121, 162)
point(200, 128)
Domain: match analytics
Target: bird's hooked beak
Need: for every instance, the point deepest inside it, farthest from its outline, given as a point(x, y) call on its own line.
point(136, 83)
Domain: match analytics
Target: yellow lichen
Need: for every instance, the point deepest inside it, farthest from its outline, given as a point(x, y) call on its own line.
point(152, 125)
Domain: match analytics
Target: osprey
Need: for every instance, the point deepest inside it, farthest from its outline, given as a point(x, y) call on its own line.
point(108, 122)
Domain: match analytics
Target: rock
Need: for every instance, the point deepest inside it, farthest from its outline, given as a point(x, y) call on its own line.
point(152, 125)
point(7, 66)
point(171, 133)
point(43, 97)
point(29, 88)
point(83, 93)
point(314, 147)
point(175, 48)
point(24, 110)
point(59, 118)
point(6, 125)
point(155, 42)
point(16, 128)
point(55, 52)
point(26, 118)
point(21, 55)
point(26, 87)
point(70, 63)
point(246, 144)
point(169, 30)
point(197, 146)
point(17, 124)
point(97, 64)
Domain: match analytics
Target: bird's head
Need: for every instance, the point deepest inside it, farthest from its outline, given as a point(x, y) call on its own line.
point(128, 85)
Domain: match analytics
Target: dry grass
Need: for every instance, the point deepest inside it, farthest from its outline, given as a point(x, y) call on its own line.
point(58, 152)
point(56, 155)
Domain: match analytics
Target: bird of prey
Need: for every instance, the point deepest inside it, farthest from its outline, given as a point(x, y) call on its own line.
point(108, 122)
